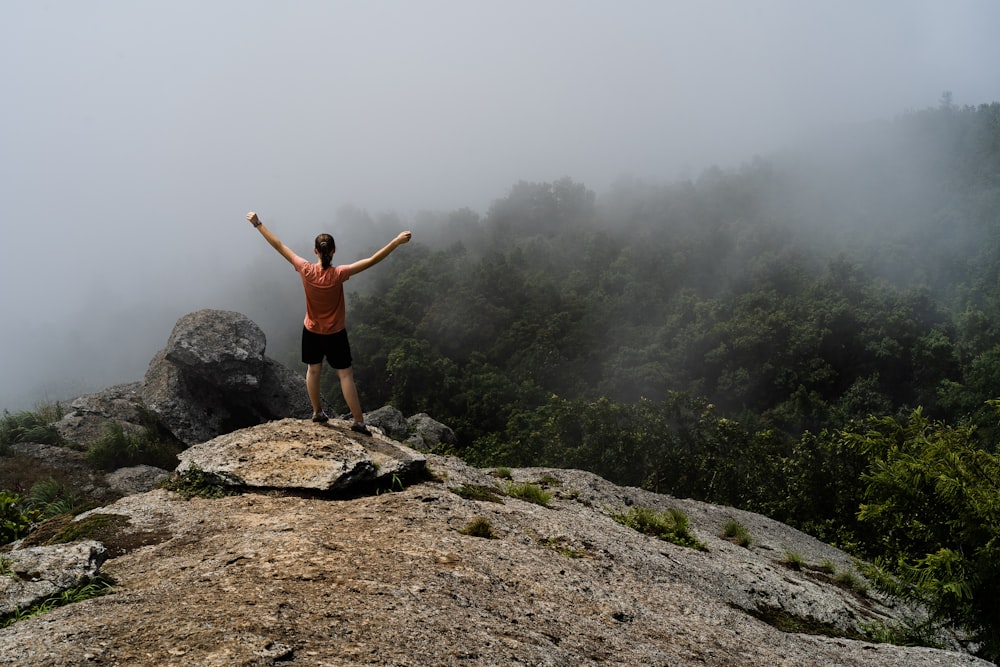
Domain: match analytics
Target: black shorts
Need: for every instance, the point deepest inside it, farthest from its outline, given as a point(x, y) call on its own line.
point(334, 347)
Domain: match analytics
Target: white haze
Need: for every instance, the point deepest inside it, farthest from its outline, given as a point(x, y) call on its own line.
point(135, 135)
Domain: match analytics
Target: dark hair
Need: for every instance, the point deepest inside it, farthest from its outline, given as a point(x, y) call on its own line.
point(326, 247)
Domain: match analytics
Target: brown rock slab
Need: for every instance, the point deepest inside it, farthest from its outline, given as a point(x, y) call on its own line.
point(299, 454)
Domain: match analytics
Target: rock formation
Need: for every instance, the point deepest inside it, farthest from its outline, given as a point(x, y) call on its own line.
point(296, 454)
point(277, 575)
point(213, 378)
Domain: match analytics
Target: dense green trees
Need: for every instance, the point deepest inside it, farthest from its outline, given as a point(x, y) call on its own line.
point(932, 504)
point(724, 338)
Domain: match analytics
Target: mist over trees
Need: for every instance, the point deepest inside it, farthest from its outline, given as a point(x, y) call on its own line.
point(747, 337)
point(796, 291)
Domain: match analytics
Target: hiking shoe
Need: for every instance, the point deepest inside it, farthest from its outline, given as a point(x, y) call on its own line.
point(360, 428)
point(320, 417)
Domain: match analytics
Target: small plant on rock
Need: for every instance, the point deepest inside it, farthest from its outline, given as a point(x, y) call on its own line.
point(502, 472)
point(477, 492)
point(29, 427)
point(531, 493)
point(96, 587)
point(118, 449)
point(737, 533)
point(196, 483)
point(562, 546)
point(851, 582)
point(49, 498)
point(793, 560)
point(479, 527)
point(670, 526)
point(16, 519)
point(827, 567)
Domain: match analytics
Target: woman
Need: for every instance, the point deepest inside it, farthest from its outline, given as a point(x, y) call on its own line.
point(324, 334)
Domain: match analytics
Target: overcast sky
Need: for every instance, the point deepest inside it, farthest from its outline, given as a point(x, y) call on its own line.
point(134, 135)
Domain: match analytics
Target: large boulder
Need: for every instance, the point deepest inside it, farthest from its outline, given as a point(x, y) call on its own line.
point(220, 348)
point(296, 454)
point(213, 378)
point(389, 420)
point(427, 433)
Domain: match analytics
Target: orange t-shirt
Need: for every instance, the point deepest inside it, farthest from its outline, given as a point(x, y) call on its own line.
point(325, 309)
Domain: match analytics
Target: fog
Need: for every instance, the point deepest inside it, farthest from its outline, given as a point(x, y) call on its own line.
point(135, 136)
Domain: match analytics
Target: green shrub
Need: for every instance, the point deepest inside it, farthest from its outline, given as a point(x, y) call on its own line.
point(15, 519)
point(118, 449)
point(27, 426)
point(905, 633)
point(49, 498)
point(530, 493)
point(479, 527)
point(670, 526)
point(502, 472)
point(736, 532)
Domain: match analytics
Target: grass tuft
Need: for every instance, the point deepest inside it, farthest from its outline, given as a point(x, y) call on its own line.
point(531, 493)
point(736, 533)
point(670, 526)
point(793, 560)
point(28, 426)
point(118, 449)
point(96, 587)
point(478, 492)
point(502, 472)
point(479, 527)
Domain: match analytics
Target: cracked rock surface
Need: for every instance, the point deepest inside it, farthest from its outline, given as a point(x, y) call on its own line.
point(277, 576)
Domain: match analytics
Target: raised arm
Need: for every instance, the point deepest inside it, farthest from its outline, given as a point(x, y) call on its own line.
point(270, 237)
point(362, 264)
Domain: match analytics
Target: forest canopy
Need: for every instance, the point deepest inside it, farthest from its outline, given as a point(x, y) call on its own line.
point(786, 337)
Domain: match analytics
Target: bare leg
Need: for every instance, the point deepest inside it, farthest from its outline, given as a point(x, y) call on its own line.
point(350, 392)
point(312, 385)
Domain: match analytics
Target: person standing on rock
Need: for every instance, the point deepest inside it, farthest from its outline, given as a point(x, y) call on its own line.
point(324, 334)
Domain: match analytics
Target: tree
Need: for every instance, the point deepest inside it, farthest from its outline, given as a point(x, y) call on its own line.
point(932, 500)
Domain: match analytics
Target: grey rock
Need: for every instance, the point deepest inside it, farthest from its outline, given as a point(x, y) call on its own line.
point(213, 378)
point(299, 454)
point(135, 479)
point(389, 579)
point(389, 420)
point(191, 413)
point(40, 572)
point(221, 348)
point(426, 433)
point(89, 416)
point(53, 455)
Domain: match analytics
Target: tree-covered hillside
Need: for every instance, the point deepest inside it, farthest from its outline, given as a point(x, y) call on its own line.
point(796, 292)
point(739, 338)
